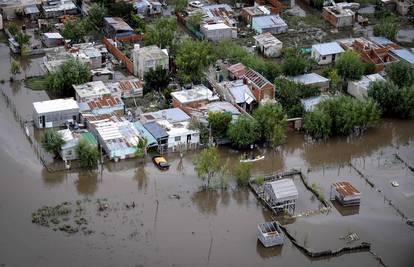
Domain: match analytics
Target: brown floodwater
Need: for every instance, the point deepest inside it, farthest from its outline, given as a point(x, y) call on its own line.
point(202, 228)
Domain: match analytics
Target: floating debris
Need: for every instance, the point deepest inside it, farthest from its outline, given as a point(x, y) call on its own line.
point(176, 196)
point(350, 237)
point(395, 184)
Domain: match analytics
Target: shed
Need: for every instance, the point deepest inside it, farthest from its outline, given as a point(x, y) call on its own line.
point(359, 89)
point(117, 27)
point(269, 45)
point(216, 32)
point(312, 80)
point(55, 113)
point(32, 12)
point(281, 194)
point(52, 39)
point(326, 53)
point(270, 23)
point(236, 71)
point(345, 193)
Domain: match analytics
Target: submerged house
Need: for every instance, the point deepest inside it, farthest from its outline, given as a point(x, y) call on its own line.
point(55, 113)
point(281, 194)
point(345, 193)
point(326, 53)
point(270, 234)
point(72, 138)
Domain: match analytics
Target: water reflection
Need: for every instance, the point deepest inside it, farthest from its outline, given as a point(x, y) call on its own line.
point(53, 179)
point(270, 252)
point(141, 177)
point(206, 201)
point(345, 211)
point(87, 182)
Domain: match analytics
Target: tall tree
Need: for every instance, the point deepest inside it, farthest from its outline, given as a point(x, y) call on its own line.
point(350, 66)
point(156, 79)
point(180, 5)
point(75, 30)
point(96, 15)
point(219, 123)
point(162, 33)
point(294, 63)
point(245, 131)
point(242, 173)
point(87, 154)
point(69, 73)
point(207, 164)
point(400, 73)
point(318, 124)
point(141, 149)
point(272, 122)
point(193, 59)
point(387, 27)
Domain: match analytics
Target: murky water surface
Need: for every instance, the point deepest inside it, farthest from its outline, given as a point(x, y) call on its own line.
point(202, 228)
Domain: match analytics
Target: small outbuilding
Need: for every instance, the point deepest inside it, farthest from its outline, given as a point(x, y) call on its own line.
point(55, 113)
point(268, 45)
point(359, 89)
point(326, 53)
point(52, 39)
point(312, 80)
point(345, 193)
point(281, 194)
point(216, 32)
point(68, 150)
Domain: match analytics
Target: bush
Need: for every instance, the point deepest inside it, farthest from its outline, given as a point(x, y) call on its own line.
point(294, 63)
point(244, 132)
point(318, 124)
point(387, 27)
point(400, 73)
point(87, 154)
point(259, 180)
point(350, 66)
point(393, 100)
point(219, 123)
point(242, 173)
point(52, 141)
point(272, 123)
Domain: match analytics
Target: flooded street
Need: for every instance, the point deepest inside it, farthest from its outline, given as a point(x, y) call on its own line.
point(200, 228)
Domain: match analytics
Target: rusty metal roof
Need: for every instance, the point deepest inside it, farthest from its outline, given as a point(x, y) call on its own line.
point(346, 189)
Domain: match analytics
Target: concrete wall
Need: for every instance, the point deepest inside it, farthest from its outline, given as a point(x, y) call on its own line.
point(55, 119)
point(217, 34)
point(195, 139)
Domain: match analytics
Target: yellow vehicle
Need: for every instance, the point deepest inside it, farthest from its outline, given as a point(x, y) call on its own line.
point(161, 162)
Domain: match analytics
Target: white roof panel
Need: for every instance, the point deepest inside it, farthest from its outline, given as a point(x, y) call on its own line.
point(55, 105)
point(285, 189)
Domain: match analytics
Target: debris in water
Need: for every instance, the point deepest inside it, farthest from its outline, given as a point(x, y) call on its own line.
point(395, 184)
point(176, 196)
point(350, 237)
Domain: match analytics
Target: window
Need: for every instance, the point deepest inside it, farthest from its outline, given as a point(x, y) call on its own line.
point(177, 138)
point(324, 58)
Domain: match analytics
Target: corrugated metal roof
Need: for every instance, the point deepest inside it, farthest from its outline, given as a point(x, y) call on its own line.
point(53, 35)
point(242, 94)
point(309, 78)
point(404, 54)
point(269, 21)
point(284, 189)
point(379, 40)
point(145, 134)
point(156, 130)
point(172, 115)
point(328, 48)
point(31, 10)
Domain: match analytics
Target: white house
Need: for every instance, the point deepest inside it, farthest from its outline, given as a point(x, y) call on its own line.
point(55, 113)
point(326, 53)
point(359, 89)
point(269, 45)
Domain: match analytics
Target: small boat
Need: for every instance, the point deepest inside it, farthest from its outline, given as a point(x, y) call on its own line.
point(257, 158)
point(395, 184)
point(270, 234)
point(161, 162)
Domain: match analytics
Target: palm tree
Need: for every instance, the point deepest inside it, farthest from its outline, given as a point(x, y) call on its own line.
point(142, 146)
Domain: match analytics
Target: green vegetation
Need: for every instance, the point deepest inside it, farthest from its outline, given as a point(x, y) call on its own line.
point(387, 27)
point(13, 28)
point(289, 95)
point(69, 73)
point(138, 24)
point(120, 9)
point(195, 20)
point(156, 79)
point(219, 123)
point(259, 180)
point(162, 33)
point(202, 128)
point(37, 83)
point(335, 80)
point(96, 15)
point(51, 141)
point(193, 59)
point(350, 66)
point(87, 154)
point(208, 165)
point(15, 67)
point(244, 131)
point(394, 101)
point(318, 4)
point(294, 62)
point(75, 30)
point(400, 73)
point(180, 5)
point(235, 54)
point(242, 173)
point(23, 40)
point(341, 116)
point(142, 146)
point(272, 123)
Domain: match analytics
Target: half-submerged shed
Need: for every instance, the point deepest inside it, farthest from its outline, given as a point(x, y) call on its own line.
point(345, 193)
point(270, 234)
point(281, 194)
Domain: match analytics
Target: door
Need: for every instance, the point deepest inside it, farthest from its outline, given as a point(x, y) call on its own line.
point(333, 58)
point(42, 121)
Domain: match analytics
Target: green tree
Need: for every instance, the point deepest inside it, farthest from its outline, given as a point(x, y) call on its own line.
point(202, 128)
point(75, 30)
point(400, 73)
point(13, 28)
point(207, 164)
point(15, 67)
point(96, 15)
point(244, 131)
point(193, 59)
point(138, 24)
point(23, 40)
point(335, 80)
point(369, 68)
point(194, 20)
point(87, 154)
point(120, 9)
point(242, 173)
point(318, 124)
point(272, 122)
point(387, 27)
point(69, 73)
point(51, 141)
point(162, 33)
point(289, 95)
point(350, 66)
point(394, 101)
point(180, 5)
point(294, 63)
point(156, 79)
point(318, 4)
point(219, 123)
point(141, 148)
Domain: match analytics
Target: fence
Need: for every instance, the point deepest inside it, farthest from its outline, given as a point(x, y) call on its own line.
point(118, 54)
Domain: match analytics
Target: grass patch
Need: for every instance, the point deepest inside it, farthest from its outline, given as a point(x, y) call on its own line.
point(37, 83)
